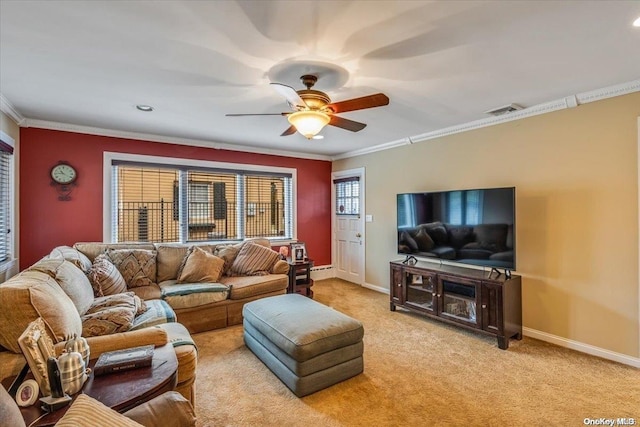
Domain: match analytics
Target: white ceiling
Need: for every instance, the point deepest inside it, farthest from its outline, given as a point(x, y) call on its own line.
point(442, 63)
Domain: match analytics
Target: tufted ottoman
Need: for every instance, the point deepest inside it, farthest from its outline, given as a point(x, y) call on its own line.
point(307, 345)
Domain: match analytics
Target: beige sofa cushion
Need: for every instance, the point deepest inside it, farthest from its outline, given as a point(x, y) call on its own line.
point(201, 267)
point(71, 279)
point(250, 286)
point(32, 294)
point(72, 255)
point(137, 266)
point(170, 257)
point(253, 259)
point(148, 292)
point(93, 249)
point(105, 277)
point(170, 409)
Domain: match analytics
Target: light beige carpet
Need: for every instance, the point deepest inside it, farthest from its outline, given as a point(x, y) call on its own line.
point(418, 372)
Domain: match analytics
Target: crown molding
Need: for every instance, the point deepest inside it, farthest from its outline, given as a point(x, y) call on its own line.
point(547, 107)
point(609, 92)
point(8, 108)
point(375, 148)
point(43, 124)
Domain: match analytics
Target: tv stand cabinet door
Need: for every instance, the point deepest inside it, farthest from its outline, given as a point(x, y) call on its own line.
point(396, 284)
point(492, 320)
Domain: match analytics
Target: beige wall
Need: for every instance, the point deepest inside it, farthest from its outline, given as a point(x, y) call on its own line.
point(576, 177)
point(11, 128)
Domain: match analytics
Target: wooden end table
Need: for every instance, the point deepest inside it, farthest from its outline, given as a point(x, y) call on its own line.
point(300, 280)
point(120, 391)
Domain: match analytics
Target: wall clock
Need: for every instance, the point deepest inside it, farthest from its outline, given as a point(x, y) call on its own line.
point(63, 177)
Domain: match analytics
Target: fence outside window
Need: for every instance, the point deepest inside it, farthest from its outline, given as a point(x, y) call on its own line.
point(171, 205)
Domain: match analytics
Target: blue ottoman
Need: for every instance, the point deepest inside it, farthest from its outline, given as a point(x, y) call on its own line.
point(307, 345)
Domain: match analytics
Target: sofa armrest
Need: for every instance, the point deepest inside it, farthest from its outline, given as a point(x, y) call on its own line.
point(146, 336)
point(170, 409)
point(280, 267)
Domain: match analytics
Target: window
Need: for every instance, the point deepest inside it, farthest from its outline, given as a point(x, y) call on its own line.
point(347, 196)
point(6, 209)
point(169, 203)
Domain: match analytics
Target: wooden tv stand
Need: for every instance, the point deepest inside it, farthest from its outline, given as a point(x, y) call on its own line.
point(486, 302)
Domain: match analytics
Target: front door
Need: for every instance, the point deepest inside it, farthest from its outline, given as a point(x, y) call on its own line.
point(348, 225)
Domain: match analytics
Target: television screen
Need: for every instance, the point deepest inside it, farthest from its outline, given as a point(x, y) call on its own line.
point(467, 226)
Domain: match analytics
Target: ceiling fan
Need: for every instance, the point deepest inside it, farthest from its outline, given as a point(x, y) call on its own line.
point(313, 110)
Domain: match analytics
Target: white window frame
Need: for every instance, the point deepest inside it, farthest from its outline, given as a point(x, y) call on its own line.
point(10, 262)
point(109, 201)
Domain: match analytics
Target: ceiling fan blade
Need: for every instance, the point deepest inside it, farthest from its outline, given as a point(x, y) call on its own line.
point(290, 131)
point(347, 124)
point(290, 95)
point(370, 101)
point(259, 114)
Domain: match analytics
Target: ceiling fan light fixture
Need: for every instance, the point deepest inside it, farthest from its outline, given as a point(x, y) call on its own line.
point(308, 122)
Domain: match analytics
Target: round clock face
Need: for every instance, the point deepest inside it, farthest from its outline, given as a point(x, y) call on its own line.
point(63, 174)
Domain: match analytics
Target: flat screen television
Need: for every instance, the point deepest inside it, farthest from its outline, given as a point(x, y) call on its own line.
point(464, 226)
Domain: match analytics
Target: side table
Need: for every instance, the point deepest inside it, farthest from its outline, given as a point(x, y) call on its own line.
point(300, 280)
point(120, 391)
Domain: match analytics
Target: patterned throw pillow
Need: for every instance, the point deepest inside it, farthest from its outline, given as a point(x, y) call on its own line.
point(253, 260)
point(201, 267)
point(108, 321)
point(105, 277)
point(137, 266)
point(111, 314)
point(125, 299)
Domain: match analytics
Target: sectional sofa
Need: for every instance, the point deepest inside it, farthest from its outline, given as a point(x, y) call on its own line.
point(129, 294)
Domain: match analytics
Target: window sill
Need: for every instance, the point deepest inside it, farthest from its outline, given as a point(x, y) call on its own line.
point(8, 269)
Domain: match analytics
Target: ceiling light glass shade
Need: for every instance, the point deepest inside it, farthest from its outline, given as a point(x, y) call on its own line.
point(308, 122)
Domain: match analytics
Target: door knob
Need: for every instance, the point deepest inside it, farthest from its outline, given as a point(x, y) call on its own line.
point(358, 235)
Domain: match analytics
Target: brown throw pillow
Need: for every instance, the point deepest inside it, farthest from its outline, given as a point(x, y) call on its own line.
point(105, 277)
point(253, 260)
point(201, 267)
point(137, 266)
point(228, 253)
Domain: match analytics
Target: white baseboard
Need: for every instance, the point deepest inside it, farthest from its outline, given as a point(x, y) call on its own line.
point(323, 272)
point(582, 347)
point(559, 341)
point(376, 288)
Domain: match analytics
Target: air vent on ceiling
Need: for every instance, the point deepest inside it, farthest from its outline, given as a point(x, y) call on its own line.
point(504, 109)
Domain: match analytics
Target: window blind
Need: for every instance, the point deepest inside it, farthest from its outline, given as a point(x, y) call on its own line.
point(6, 181)
point(176, 204)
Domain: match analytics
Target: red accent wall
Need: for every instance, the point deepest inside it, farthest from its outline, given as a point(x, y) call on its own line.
point(46, 222)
